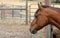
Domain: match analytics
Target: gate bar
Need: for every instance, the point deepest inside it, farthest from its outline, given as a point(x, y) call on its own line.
point(51, 27)
point(26, 11)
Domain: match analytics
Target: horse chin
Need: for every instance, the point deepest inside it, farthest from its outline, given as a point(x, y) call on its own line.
point(33, 31)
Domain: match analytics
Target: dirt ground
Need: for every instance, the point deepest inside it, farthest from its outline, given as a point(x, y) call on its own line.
point(13, 29)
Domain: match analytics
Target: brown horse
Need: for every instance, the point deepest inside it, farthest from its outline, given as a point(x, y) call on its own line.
point(45, 16)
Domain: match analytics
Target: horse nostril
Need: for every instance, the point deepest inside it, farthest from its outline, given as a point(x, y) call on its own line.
point(33, 31)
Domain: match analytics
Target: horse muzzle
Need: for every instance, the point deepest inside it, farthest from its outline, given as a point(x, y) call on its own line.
point(33, 31)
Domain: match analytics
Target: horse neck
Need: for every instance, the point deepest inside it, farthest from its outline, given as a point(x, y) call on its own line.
point(54, 18)
point(53, 22)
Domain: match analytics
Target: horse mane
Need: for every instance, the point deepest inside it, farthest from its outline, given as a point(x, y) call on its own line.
point(46, 6)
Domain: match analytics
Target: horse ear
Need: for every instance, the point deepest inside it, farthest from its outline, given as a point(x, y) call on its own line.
point(40, 6)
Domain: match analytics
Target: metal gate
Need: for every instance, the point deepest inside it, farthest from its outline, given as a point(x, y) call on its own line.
point(13, 13)
point(13, 9)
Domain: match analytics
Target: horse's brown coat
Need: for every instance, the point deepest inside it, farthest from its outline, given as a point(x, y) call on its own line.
point(46, 16)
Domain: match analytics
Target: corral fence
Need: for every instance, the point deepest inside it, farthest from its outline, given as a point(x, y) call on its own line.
point(16, 14)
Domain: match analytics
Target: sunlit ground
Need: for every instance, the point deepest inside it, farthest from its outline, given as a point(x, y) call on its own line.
point(13, 28)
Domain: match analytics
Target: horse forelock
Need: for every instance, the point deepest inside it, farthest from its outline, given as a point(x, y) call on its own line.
point(36, 12)
point(45, 6)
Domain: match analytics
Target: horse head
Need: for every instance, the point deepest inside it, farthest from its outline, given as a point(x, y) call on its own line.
point(43, 17)
point(39, 21)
